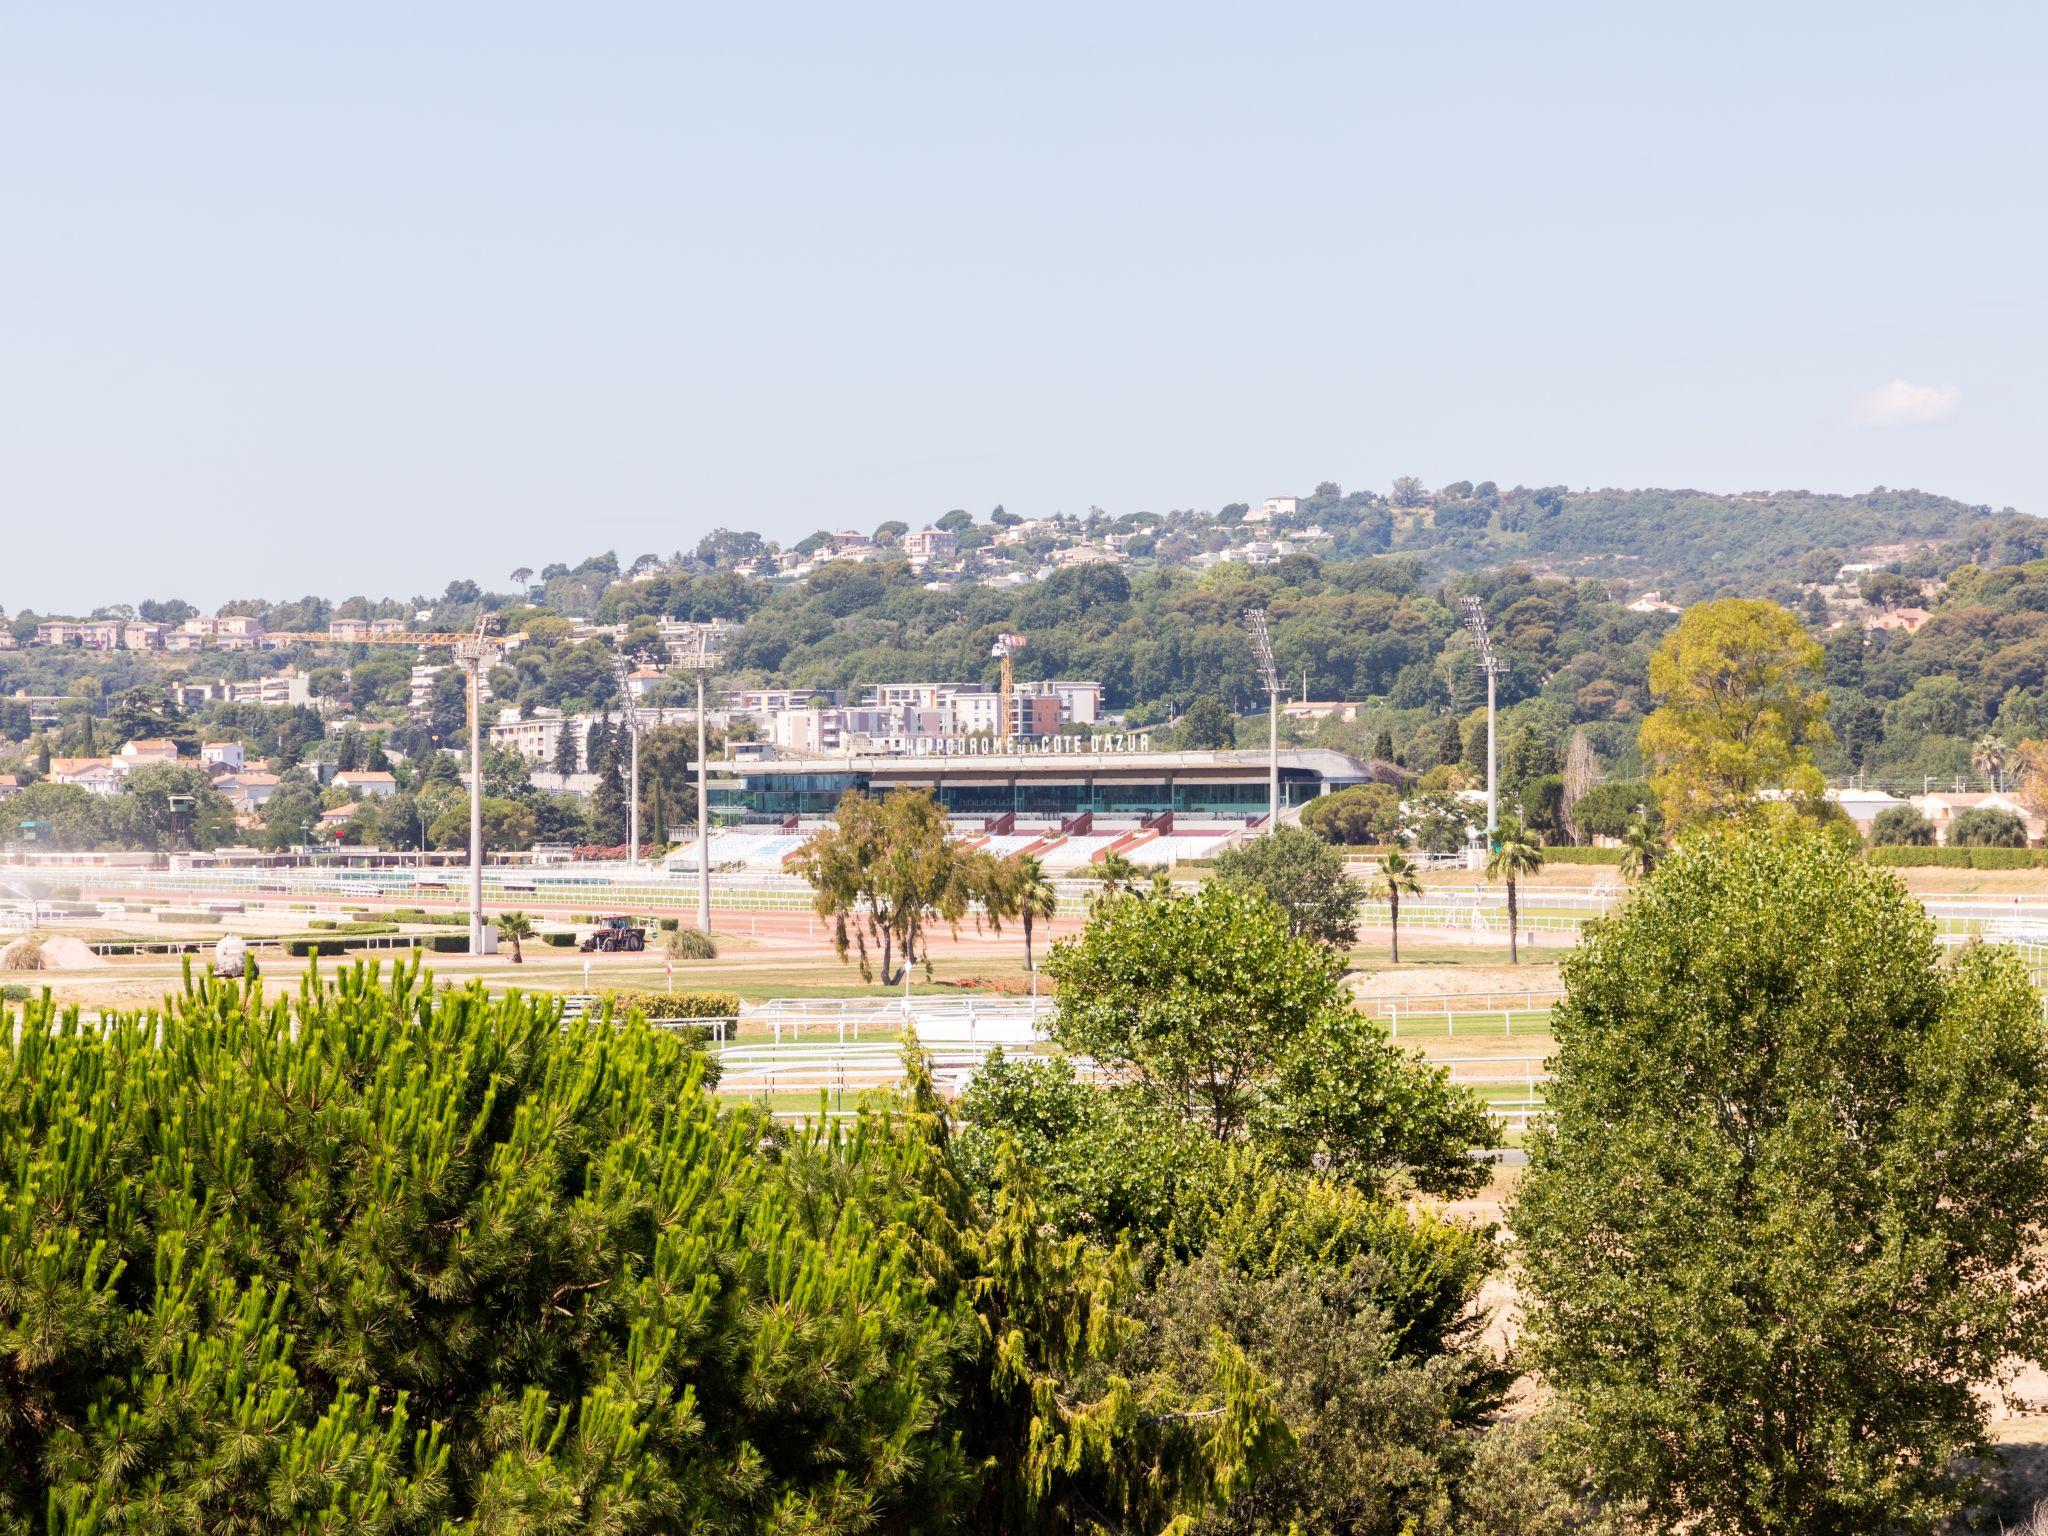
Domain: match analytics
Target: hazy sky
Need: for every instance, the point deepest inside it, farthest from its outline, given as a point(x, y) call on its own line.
point(367, 297)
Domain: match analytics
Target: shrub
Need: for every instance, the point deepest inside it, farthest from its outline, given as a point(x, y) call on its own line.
point(1901, 826)
point(176, 915)
point(559, 940)
point(305, 947)
point(446, 943)
point(1572, 855)
point(1983, 826)
point(692, 944)
point(673, 1005)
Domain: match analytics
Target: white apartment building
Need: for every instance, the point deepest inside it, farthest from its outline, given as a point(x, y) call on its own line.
point(288, 687)
point(929, 544)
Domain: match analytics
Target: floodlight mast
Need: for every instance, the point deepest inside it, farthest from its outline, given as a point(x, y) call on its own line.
point(1262, 651)
point(476, 652)
point(1492, 666)
point(702, 661)
point(622, 673)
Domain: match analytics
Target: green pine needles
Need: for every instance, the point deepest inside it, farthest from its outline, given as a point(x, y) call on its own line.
point(381, 1258)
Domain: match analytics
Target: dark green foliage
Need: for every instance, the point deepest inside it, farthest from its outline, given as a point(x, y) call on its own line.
point(375, 1259)
point(1361, 815)
point(1610, 809)
point(1900, 826)
point(1984, 826)
point(1787, 1215)
point(1207, 1003)
point(1959, 858)
point(1302, 875)
point(1206, 726)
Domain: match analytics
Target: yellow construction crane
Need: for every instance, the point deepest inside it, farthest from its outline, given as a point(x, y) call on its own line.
point(1006, 646)
point(423, 638)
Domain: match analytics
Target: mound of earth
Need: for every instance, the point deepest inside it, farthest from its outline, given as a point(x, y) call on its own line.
point(59, 952)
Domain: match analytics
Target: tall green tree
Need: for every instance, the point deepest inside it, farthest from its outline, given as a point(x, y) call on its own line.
point(1786, 1218)
point(1737, 709)
point(1208, 1004)
point(1302, 875)
point(883, 870)
point(1207, 726)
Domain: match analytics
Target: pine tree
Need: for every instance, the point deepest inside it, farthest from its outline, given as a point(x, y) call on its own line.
point(378, 1258)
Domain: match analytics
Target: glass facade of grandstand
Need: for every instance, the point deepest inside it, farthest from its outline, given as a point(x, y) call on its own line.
point(761, 796)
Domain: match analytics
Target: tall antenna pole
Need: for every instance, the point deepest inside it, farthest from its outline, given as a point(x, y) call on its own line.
point(1262, 652)
point(476, 652)
point(1492, 666)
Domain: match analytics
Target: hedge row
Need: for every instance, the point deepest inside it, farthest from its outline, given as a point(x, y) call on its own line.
point(416, 915)
point(675, 1005)
point(175, 915)
point(1570, 854)
point(559, 940)
point(1960, 858)
point(329, 925)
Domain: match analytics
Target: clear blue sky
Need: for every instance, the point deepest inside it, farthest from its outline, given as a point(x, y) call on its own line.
point(367, 297)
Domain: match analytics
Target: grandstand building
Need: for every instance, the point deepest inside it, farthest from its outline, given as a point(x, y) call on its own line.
point(1059, 783)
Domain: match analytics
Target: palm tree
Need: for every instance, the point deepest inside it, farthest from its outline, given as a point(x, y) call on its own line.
point(1988, 756)
point(1514, 855)
point(1396, 879)
point(1035, 896)
point(1116, 873)
point(515, 926)
point(1642, 849)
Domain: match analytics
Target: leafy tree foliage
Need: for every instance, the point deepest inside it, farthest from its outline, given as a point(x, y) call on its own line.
point(1206, 726)
point(1302, 875)
point(1987, 826)
point(1206, 1000)
point(1787, 1215)
point(883, 870)
point(1362, 814)
point(1900, 826)
point(1736, 710)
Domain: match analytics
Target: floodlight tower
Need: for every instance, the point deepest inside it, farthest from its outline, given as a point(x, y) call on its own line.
point(702, 662)
point(476, 652)
point(622, 674)
point(1492, 666)
point(1262, 651)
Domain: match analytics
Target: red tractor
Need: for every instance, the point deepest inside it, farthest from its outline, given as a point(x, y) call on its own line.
point(615, 936)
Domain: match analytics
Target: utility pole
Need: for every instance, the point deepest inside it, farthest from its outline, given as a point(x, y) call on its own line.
point(701, 661)
point(476, 652)
point(1492, 666)
point(1262, 651)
